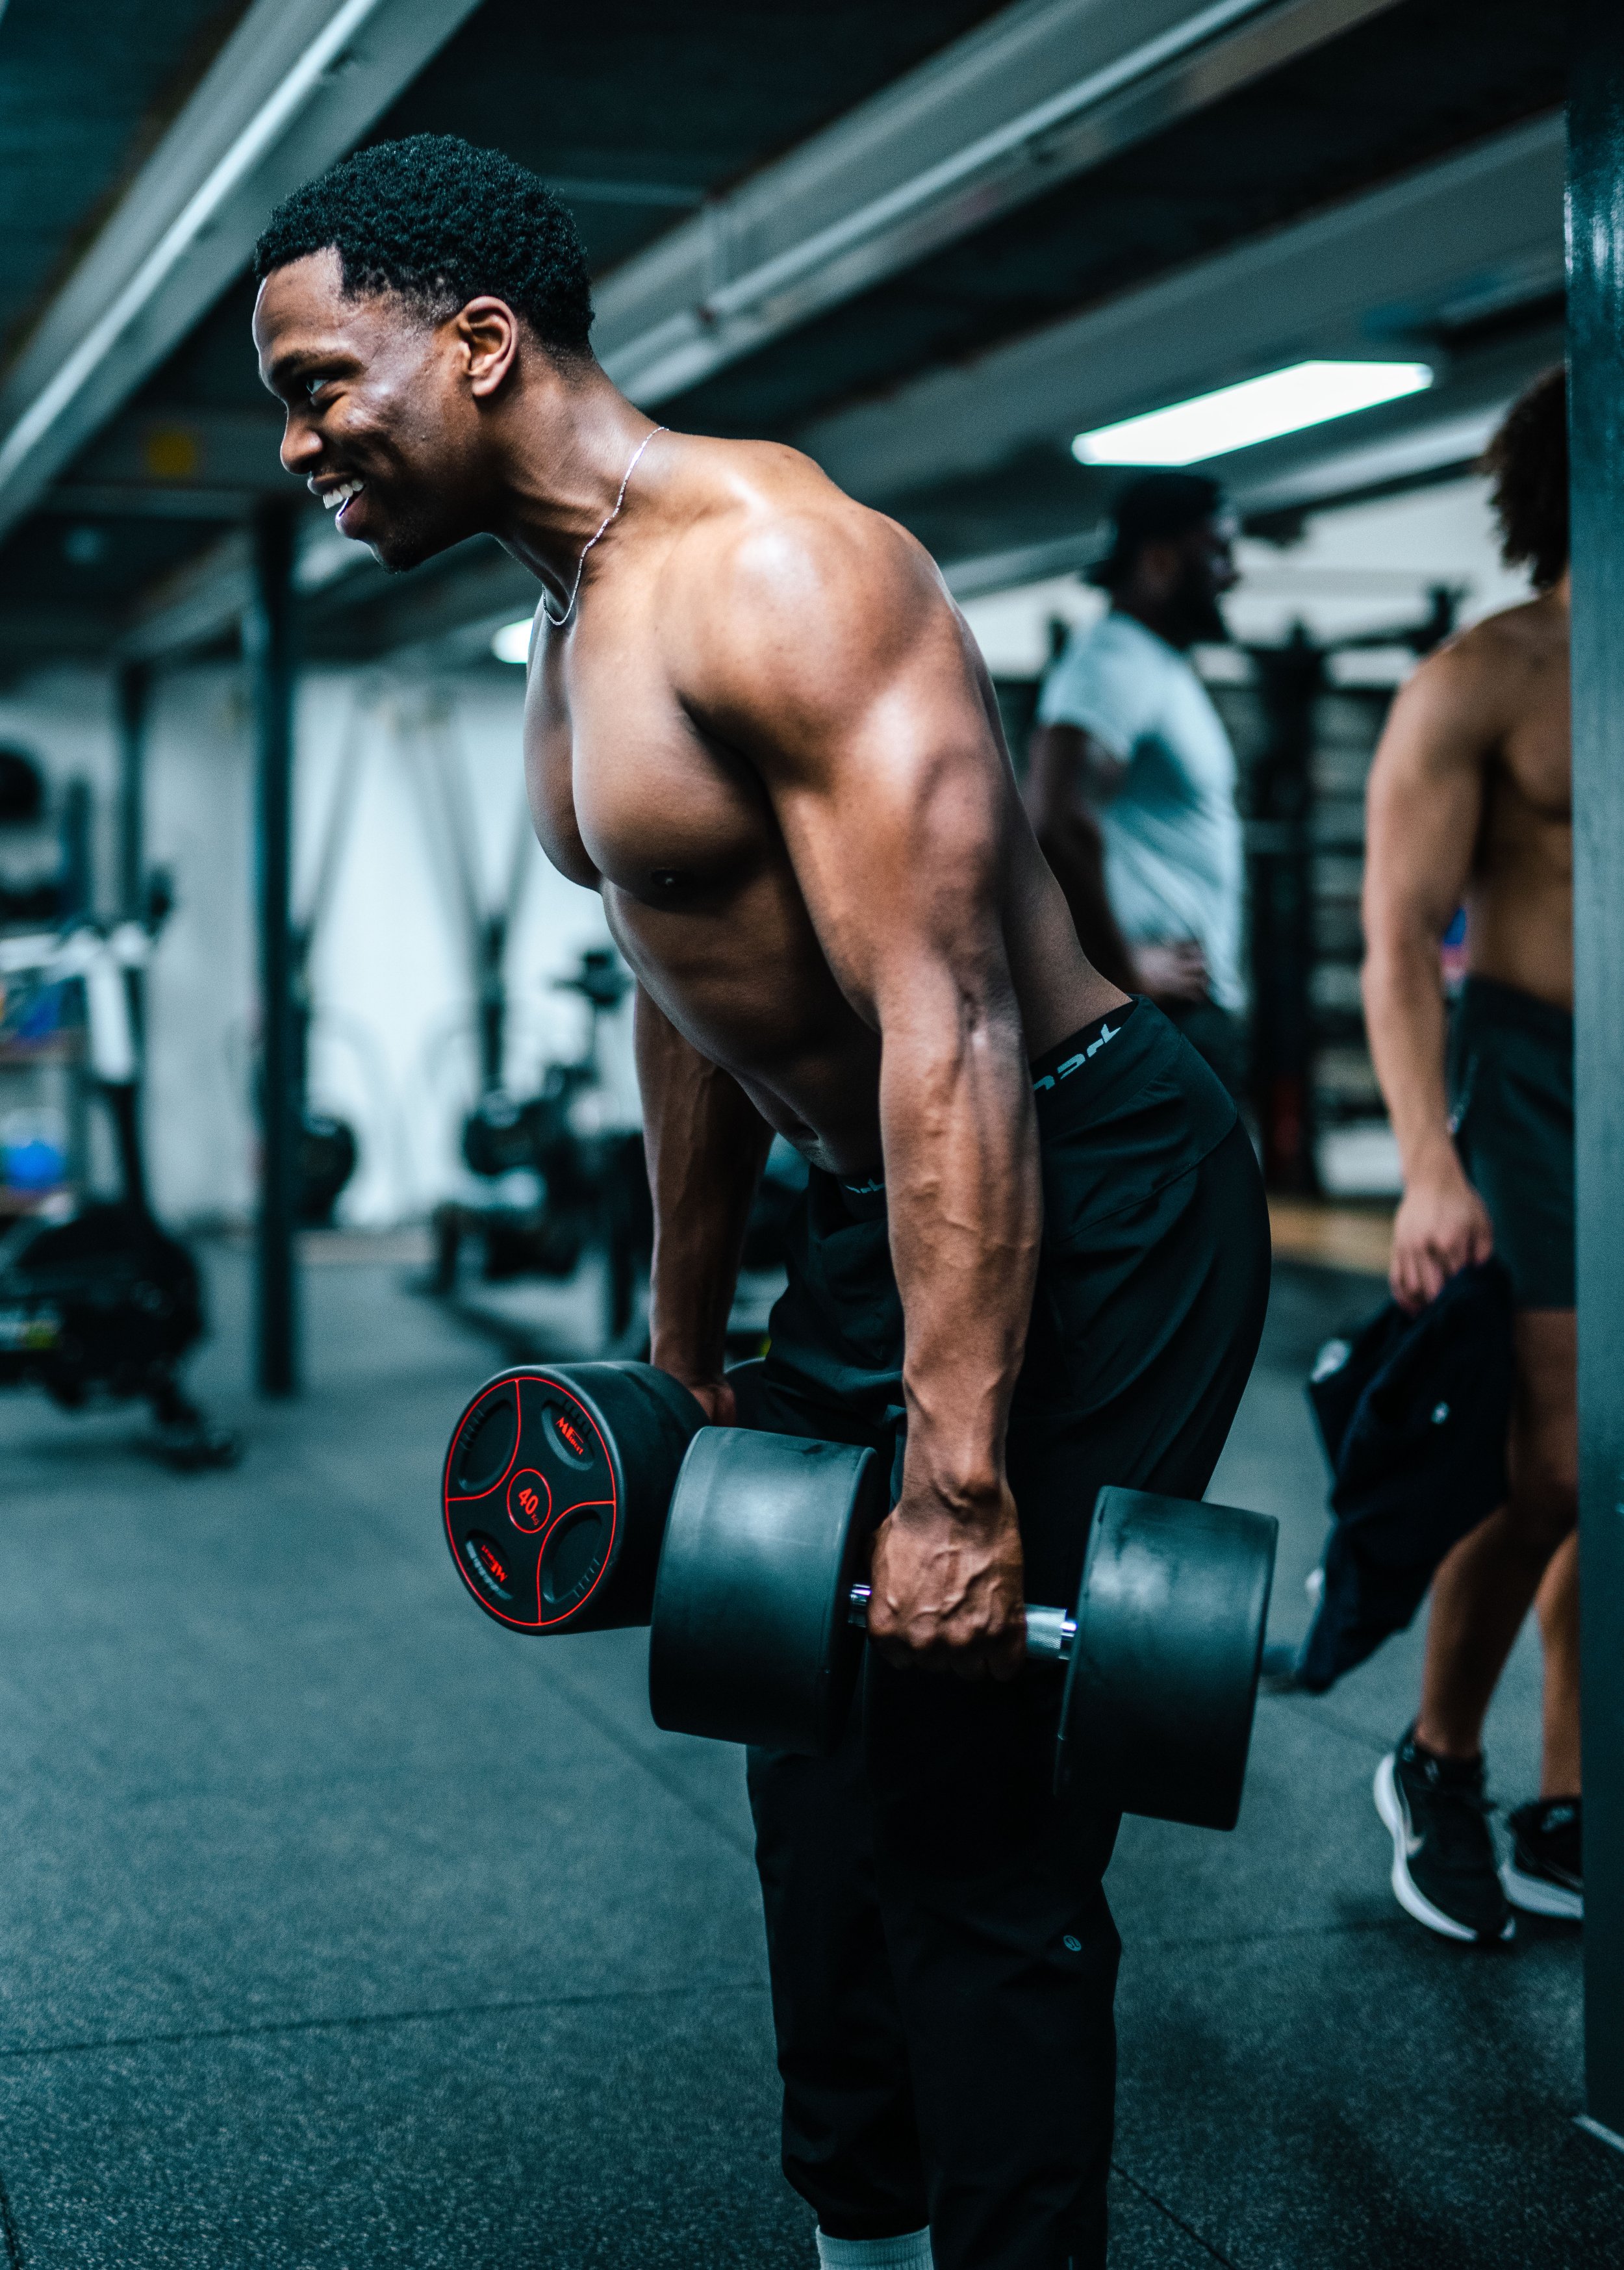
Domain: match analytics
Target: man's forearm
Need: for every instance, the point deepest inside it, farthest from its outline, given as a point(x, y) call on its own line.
point(1064, 763)
point(1075, 850)
point(966, 1216)
point(706, 1145)
point(1406, 1022)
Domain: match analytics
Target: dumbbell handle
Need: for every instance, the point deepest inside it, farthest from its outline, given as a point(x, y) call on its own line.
point(1050, 1631)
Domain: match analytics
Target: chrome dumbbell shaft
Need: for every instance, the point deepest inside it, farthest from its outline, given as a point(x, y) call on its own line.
point(1050, 1631)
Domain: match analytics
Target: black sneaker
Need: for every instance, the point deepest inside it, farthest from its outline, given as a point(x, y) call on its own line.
point(1444, 1872)
point(1544, 1875)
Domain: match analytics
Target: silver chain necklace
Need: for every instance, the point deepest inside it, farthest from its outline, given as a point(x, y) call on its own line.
point(558, 621)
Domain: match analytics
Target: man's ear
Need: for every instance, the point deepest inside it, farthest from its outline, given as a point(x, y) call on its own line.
point(1160, 565)
point(487, 331)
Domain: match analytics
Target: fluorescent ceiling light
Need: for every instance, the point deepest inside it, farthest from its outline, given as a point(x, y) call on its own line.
point(512, 642)
point(1258, 410)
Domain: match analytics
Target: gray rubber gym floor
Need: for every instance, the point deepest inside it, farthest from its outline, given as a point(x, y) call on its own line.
point(340, 1928)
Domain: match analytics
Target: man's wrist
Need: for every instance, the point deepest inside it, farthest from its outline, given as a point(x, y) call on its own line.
point(1433, 1164)
point(681, 1358)
point(965, 1487)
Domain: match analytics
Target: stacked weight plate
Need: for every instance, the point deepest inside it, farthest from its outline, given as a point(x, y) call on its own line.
point(555, 1489)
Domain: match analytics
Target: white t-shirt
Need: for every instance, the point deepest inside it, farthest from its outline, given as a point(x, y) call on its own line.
point(1172, 833)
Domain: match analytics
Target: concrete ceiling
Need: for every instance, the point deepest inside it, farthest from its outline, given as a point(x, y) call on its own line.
point(936, 241)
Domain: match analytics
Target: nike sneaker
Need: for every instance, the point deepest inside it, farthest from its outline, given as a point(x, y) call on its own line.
point(1444, 1869)
point(1544, 1875)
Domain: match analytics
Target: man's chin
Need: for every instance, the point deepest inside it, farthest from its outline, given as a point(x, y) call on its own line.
point(399, 552)
point(1202, 625)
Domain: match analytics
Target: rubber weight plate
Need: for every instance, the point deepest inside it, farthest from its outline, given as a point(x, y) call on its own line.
point(555, 1491)
point(1162, 1680)
point(752, 1640)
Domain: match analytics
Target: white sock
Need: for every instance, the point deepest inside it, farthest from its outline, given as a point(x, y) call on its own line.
point(910, 2252)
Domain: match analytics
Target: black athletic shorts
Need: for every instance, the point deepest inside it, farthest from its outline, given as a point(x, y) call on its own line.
point(1511, 1081)
point(943, 1958)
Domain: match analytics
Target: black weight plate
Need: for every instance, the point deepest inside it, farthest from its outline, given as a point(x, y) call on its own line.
point(1162, 1681)
point(555, 1489)
point(752, 1641)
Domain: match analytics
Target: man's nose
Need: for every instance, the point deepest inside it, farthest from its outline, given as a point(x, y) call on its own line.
point(300, 446)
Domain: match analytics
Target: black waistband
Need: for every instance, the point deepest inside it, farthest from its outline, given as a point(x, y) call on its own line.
point(1063, 1062)
point(1086, 1080)
point(1486, 1001)
point(1080, 1050)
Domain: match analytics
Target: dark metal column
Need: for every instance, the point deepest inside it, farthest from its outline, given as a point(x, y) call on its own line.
point(1595, 356)
point(1290, 678)
point(267, 645)
point(134, 689)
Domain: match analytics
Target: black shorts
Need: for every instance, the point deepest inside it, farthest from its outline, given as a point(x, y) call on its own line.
point(1511, 1081)
point(1219, 1038)
point(943, 1958)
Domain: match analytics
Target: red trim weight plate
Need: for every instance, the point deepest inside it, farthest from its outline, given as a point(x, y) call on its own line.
point(555, 1490)
point(528, 1470)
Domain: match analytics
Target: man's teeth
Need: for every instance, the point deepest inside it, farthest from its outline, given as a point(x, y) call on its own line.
point(331, 499)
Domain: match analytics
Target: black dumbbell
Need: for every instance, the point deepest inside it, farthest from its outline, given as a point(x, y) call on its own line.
point(555, 1490)
point(759, 1609)
point(565, 1488)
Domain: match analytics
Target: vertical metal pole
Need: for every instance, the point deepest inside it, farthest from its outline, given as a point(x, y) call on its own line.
point(134, 691)
point(1596, 362)
point(134, 688)
point(268, 643)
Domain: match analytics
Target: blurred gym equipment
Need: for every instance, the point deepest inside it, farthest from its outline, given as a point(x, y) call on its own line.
point(100, 1300)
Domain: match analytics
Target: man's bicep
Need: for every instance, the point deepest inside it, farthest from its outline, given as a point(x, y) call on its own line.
point(1067, 769)
point(1103, 696)
point(1425, 806)
point(898, 851)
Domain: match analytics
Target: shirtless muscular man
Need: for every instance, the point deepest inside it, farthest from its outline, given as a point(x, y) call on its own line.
point(1469, 802)
point(1033, 1254)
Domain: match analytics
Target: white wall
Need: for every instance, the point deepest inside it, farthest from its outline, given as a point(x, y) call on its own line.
point(197, 822)
point(395, 1045)
point(393, 1048)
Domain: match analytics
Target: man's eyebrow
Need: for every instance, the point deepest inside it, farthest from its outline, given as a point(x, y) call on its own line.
point(294, 361)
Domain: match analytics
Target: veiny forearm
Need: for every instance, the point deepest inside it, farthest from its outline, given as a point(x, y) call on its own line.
point(1406, 1022)
point(706, 1146)
point(966, 1216)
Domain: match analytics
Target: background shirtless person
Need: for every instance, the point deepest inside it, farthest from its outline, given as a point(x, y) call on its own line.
point(1032, 1255)
point(1469, 799)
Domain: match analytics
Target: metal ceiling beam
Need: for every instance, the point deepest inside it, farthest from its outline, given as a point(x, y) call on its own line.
point(1047, 89)
point(296, 85)
point(1374, 271)
point(195, 605)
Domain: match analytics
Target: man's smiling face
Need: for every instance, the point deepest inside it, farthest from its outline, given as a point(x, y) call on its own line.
point(381, 423)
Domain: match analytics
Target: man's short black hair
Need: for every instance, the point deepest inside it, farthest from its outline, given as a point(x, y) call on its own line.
point(442, 222)
point(1527, 461)
point(1148, 510)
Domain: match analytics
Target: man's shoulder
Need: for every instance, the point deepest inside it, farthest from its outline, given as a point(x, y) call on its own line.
point(761, 527)
point(1485, 674)
point(738, 499)
point(1509, 640)
point(1106, 681)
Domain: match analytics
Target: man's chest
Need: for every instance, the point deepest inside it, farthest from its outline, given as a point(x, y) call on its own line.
point(1536, 765)
point(1183, 762)
point(624, 789)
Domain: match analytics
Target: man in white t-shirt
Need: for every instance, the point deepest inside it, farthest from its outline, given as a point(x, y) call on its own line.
point(1131, 782)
